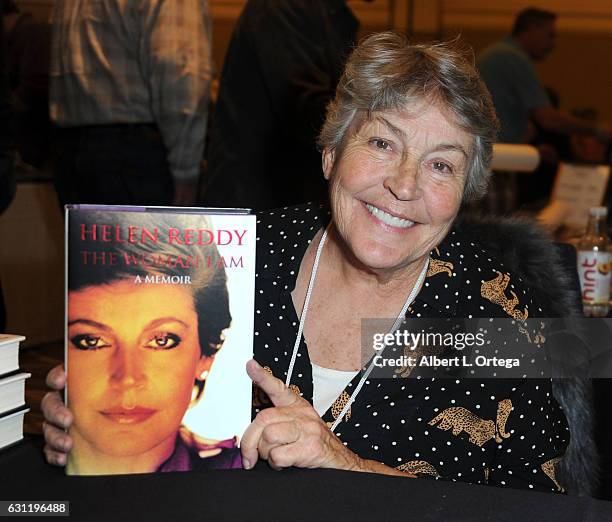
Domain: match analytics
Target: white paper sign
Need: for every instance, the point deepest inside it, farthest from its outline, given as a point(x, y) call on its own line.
point(578, 188)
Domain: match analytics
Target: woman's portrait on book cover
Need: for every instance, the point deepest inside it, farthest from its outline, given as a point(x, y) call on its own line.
point(142, 337)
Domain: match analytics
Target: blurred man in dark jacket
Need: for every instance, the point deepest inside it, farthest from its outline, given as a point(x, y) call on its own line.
point(280, 71)
point(28, 41)
point(7, 180)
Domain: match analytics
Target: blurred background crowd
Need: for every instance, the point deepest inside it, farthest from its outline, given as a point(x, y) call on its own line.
point(208, 102)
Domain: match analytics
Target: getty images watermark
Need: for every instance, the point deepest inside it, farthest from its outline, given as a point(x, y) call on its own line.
point(447, 343)
point(489, 348)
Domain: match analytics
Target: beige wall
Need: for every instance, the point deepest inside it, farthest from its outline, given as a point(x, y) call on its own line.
point(31, 264)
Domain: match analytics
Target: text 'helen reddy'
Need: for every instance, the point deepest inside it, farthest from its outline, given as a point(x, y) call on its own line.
point(135, 234)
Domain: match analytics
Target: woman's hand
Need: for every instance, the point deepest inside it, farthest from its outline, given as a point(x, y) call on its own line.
point(293, 434)
point(58, 418)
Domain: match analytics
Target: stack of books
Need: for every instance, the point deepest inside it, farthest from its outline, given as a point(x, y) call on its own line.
point(12, 391)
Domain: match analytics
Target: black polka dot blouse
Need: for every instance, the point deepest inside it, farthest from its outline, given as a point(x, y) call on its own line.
point(503, 432)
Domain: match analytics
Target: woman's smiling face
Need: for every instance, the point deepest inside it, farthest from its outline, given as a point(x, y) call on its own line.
point(397, 187)
point(133, 355)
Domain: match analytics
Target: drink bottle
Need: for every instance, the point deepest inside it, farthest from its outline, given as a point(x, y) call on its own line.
point(594, 265)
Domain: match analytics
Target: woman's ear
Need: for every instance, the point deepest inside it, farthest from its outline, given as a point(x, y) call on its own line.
point(203, 367)
point(202, 370)
point(328, 158)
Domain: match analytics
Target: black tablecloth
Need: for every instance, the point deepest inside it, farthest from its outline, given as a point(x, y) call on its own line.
point(263, 494)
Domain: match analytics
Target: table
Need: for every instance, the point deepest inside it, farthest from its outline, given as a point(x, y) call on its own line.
point(263, 494)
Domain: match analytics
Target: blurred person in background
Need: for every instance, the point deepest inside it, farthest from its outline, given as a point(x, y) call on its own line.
point(28, 41)
point(521, 102)
point(129, 90)
point(507, 68)
point(7, 178)
point(281, 69)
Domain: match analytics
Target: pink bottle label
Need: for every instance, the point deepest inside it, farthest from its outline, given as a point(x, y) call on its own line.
point(594, 271)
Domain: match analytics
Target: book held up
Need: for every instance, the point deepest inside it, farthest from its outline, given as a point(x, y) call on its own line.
point(159, 327)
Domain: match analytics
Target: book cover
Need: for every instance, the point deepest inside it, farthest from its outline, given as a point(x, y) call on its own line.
point(159, 327)
point(9, 352)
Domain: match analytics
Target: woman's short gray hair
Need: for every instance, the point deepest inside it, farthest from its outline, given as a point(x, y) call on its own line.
point(387, 72)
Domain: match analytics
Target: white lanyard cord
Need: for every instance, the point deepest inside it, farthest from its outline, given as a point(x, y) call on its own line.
point(398, 321)
point(313, 275)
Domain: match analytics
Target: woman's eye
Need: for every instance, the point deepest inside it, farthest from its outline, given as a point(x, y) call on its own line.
point(440, 166)
point(89, 342)
point(163, 341)
point(381, 144)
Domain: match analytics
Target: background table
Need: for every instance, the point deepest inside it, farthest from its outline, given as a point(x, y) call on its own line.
point(263, 494)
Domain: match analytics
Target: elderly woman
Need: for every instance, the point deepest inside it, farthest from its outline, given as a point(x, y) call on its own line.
point(406, 142)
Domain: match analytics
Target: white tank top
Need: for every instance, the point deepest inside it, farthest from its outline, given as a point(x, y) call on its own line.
point(328, 384)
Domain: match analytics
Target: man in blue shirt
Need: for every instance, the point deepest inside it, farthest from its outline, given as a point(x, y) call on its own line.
point(507, 68)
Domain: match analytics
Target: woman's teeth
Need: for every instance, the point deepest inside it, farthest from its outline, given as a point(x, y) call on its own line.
point(388, 219)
